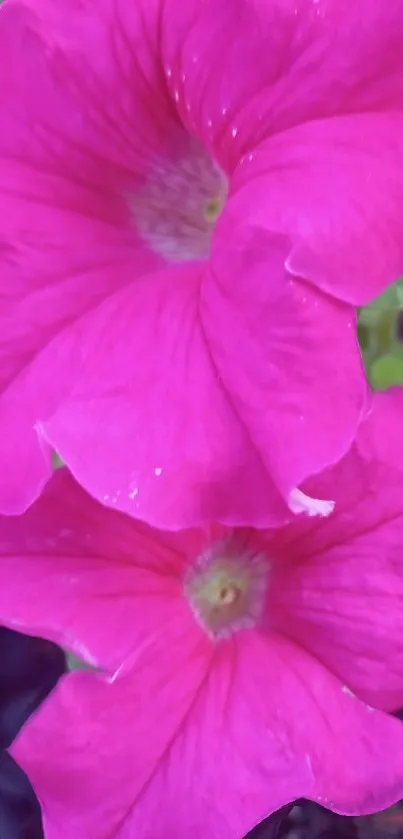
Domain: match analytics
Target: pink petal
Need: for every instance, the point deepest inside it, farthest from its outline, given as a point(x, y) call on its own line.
point(110, 737)
point(67, 240)
point(266, 725)
point(202, 781)
point(26, 460)
point(76, 574)
point(230, 765)
point(344, 740)
point(78, 58)
point(282, 384)
point(312, 185)
point(345, 605)
point(270, 724)
point(323, 81)
point(365, 484)
point(296, 62)
point(337, 585)
point(148, 427)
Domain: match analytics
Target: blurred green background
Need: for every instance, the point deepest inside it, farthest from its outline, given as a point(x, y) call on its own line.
point(380, 331)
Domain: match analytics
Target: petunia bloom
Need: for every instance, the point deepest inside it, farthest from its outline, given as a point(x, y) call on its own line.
point(233, 670)
point(193, 197)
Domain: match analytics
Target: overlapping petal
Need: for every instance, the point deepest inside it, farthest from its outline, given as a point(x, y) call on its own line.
point(76, 565)
point(146, 427)
point(345, 575)
point(283, 378)
point(307, 108)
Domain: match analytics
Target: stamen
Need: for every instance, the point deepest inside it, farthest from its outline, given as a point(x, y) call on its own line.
point(226, 589)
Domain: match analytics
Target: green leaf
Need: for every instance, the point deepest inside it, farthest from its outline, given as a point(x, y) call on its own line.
point(386, 372)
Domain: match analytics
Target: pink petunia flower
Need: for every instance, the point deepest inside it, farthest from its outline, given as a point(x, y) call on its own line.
point(235, 670)
point(192, 196)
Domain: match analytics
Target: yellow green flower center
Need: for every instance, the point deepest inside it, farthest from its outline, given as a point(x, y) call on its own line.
point(226, 589)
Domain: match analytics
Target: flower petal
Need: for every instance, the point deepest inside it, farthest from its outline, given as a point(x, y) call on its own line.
point(311, 97)
point(129, 736)
point(83, 570)
point(148, 427)
point(337, 585)
point(346, 607)
point(269, 725)
point(311, 184)
point(67, 238)
point(122, 728)
point(283, 379)
point(296, 62)
point(78, 57)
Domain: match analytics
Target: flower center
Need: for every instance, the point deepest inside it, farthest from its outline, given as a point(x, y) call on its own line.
point(177, 206)
point(213, 209)
point(226, 589)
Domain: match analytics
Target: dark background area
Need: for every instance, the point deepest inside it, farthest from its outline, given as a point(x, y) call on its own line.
point(29, 669)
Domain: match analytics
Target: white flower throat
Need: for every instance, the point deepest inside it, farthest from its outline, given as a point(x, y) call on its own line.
point(177, 206)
